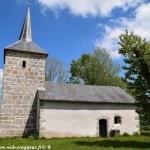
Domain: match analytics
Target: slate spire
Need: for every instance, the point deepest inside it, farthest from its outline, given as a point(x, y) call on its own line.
point(26, 32)
point(25, 42)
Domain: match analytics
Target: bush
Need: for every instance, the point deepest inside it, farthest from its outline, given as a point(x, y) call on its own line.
point(125, 134)
point(146, 127)
point(33, 136)
point(136, 133)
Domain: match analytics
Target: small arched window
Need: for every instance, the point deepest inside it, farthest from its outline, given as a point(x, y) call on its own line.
point(117, 120)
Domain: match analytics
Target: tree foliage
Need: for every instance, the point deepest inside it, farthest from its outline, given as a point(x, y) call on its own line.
point(95, 69)
point(56, 71)
point(136, 52)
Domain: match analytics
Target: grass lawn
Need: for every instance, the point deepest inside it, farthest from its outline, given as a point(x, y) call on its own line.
point(138, 142)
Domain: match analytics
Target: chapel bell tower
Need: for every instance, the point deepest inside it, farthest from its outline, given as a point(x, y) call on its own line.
point(24, 74)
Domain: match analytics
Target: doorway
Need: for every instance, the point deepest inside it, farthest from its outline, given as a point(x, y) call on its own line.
point(103, 128)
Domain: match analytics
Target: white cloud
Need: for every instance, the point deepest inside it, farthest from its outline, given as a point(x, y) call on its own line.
point(1, 77)
point(110, 40)
point(139, 24)
point(85, 8)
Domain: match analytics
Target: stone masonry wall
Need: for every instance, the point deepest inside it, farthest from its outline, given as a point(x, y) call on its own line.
point(18, 112)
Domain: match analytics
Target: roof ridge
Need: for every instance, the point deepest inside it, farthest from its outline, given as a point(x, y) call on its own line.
point(39, 47)
point(12, 44)
point(57, 83)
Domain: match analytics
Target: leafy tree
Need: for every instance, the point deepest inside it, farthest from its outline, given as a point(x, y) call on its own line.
point(56, 71)
point(95, 69)
point(136, 52)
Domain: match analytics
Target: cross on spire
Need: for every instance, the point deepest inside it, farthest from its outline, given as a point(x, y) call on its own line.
point(29, 3)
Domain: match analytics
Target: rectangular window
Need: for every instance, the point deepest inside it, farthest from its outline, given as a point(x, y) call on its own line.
point(23, 64)
point(117, 120)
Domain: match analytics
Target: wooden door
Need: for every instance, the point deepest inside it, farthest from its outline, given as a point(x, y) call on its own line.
point(103, 128)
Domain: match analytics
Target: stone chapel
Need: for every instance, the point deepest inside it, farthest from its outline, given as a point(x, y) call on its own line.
point(31, 105)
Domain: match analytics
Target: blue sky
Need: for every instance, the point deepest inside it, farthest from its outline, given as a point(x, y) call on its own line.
point(68, 28)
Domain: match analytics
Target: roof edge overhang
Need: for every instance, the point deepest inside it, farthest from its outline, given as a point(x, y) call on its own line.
point(80, 101)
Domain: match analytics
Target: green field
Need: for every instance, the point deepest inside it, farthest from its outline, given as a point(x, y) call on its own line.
point(137, 142)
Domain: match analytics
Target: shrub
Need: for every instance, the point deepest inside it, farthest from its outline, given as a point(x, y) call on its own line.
point(136, 133)
point(125, 134)
point(33, 136)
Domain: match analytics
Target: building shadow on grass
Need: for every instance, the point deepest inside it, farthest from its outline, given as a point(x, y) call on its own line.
point(115, 144)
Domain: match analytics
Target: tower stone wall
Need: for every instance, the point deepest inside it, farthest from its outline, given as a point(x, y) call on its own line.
point(18, 112)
